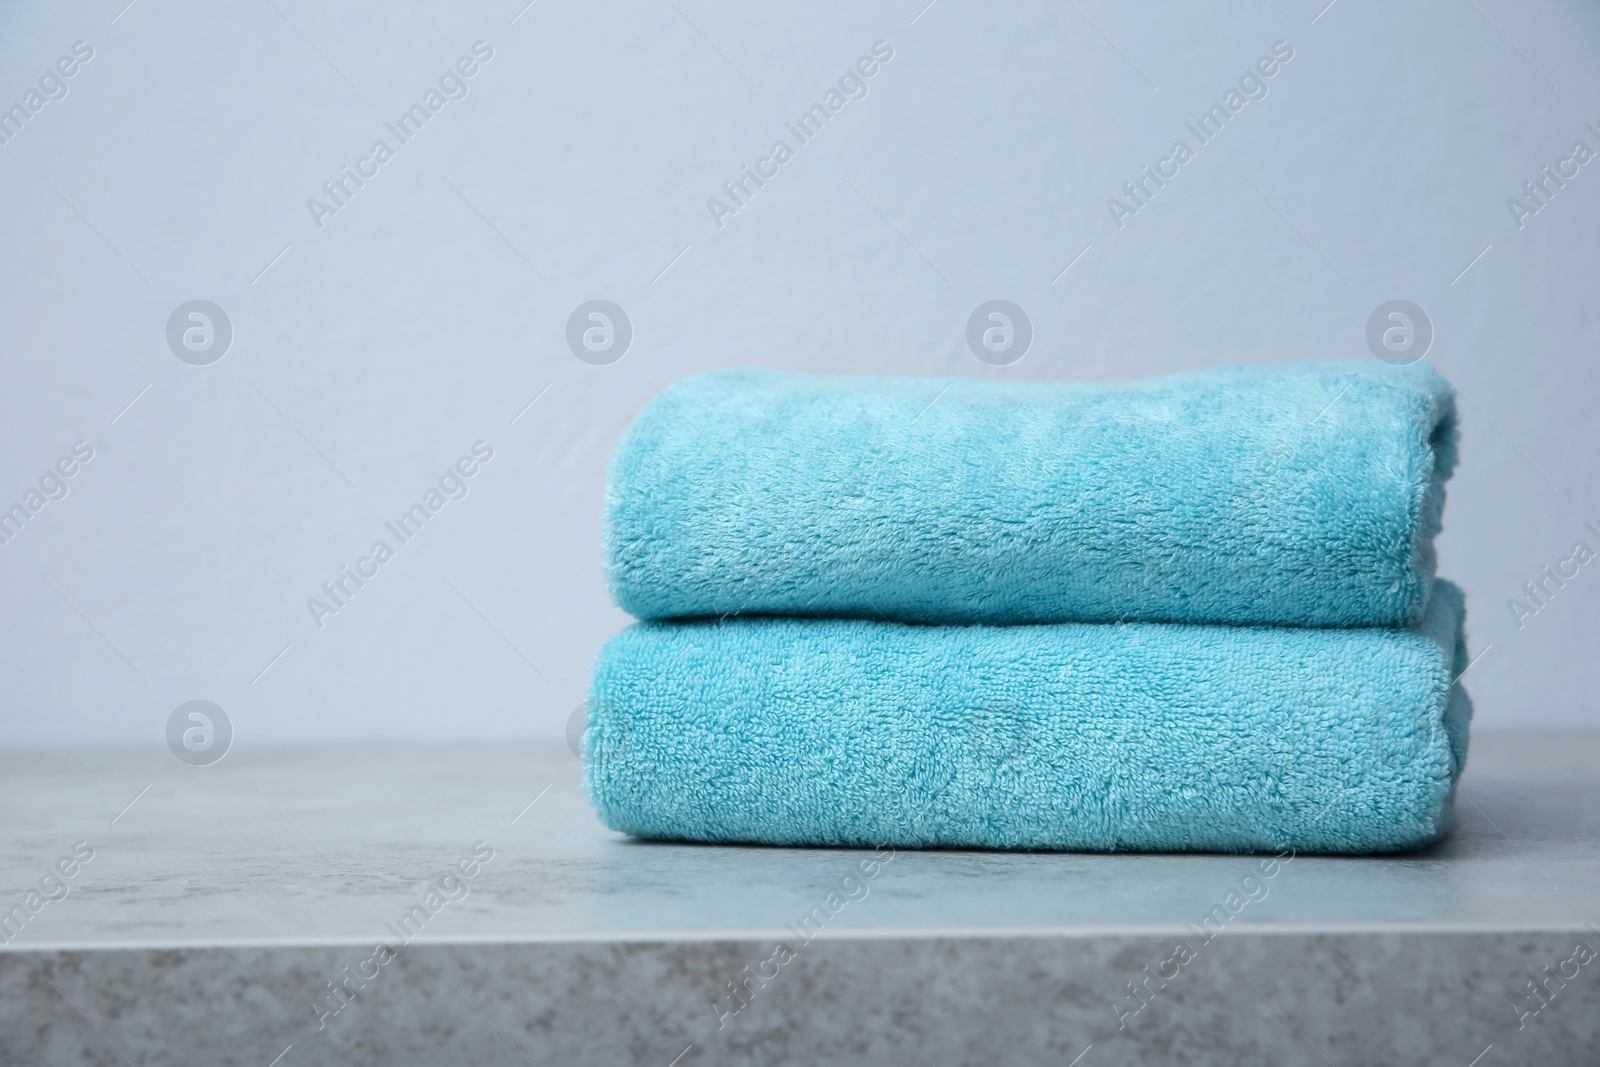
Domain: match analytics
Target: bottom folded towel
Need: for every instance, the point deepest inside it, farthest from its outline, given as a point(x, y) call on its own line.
point(1139, 737)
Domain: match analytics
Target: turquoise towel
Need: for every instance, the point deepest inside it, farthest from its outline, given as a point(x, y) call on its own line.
point(1141, 737)
point(1301, 494)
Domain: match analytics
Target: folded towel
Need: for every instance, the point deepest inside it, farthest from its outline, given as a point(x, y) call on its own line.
point(1142, 736)
point(1302, 494)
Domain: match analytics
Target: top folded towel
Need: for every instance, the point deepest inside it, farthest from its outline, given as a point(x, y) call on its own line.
point(1301, 494)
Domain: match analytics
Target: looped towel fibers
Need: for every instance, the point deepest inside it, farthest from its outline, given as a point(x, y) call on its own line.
point(1300, 494)
point(1143, 737)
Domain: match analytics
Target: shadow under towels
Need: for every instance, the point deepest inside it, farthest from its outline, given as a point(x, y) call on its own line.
point(1071, 736)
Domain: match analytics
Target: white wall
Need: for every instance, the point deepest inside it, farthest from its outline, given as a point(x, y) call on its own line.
point(380, 346)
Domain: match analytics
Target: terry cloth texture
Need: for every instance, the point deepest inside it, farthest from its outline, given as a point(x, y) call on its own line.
point(1302, 494)
point(1142, 737)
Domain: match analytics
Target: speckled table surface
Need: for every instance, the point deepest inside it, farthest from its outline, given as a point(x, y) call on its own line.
point(233, 913)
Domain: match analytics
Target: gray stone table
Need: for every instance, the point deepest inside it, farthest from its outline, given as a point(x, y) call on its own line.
point(220, 906)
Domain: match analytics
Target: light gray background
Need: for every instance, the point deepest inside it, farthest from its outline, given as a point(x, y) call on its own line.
point(375, 350)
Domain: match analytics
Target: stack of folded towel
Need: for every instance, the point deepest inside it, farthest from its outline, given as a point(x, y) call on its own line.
point(1197, 612)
